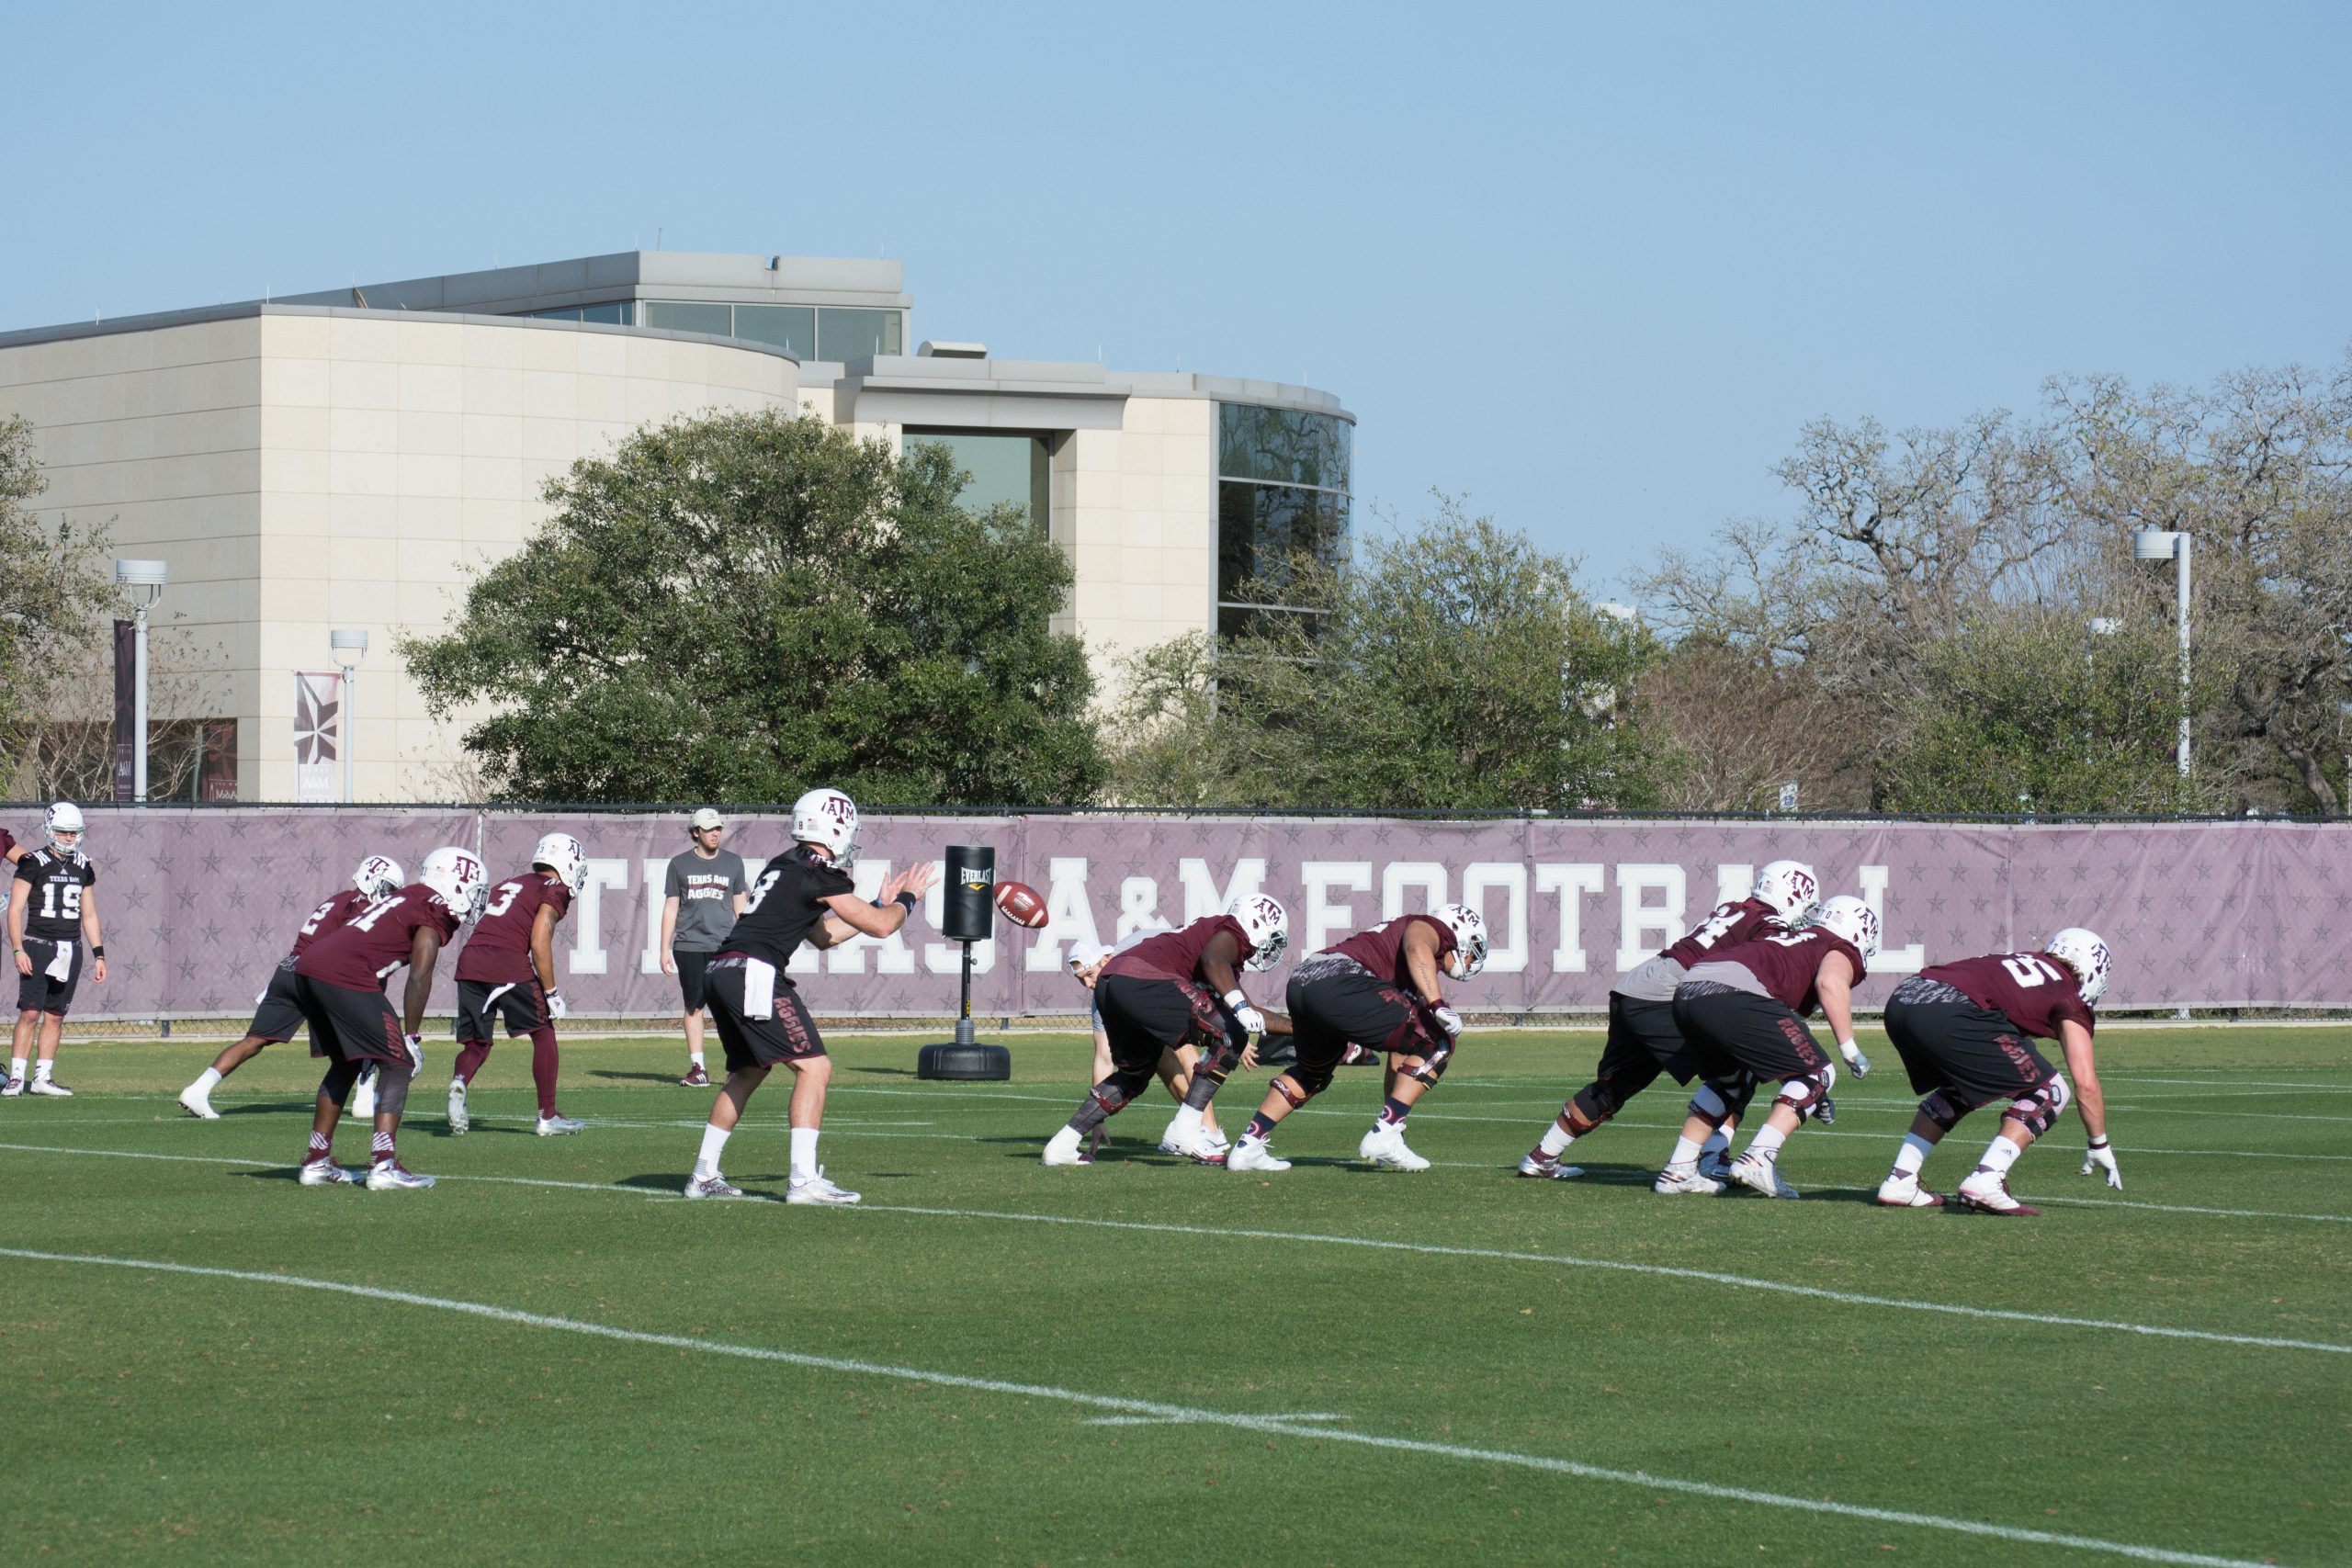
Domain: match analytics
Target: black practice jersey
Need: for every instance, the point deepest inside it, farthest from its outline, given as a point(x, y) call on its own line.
point(785, 905)
point(54, 905)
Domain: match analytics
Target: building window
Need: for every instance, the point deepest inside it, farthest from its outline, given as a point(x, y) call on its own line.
point(805, 331)
point(613, 315)
point(1004, 470)
point(690, 316)
point(1281, 497)
point(844, 335)
point(792, 328)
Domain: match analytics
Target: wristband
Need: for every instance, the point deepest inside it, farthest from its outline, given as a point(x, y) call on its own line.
point(97, 950)
point(905, 900)
point(2099, 1141)
point(1235, 999)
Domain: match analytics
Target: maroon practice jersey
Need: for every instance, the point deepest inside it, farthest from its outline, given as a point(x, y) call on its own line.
point(499, 950)
point(1382, 949)
point(1727, 927)
point(8, 841)
point(1787, 962)
point(331, 916)
point(1176, 955)
point(2034, 989)
point(376, 941)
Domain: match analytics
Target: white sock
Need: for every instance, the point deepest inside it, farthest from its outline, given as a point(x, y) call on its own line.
point(714, 1140)
point(1912, 1155)
point(1555, 1142)
point(1686, 1152)
point(1187, 1122)
point(2001, 1156)
point(15, 1067)
point(694, 1055)
point(1063, 1141)
point(1766, 1143)
point(41, 1069)
point(205, 1081)
point(804, 1153)
point(1718, 1142)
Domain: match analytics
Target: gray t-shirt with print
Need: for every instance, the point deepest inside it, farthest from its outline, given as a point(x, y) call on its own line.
point(705, 891)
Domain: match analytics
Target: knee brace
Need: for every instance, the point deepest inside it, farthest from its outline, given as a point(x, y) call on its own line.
point(391, 1087)
point(336, 1085)
point(1719, 1099)
point(1124, 1084)
point(1592, 1105)
point(1943, 1110)
point(1804, 1095)
point(2040, 1109)
point(1299, 1086)
point(1432, 1066)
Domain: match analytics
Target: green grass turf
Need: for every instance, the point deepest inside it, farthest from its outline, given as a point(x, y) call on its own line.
point(214, 1420)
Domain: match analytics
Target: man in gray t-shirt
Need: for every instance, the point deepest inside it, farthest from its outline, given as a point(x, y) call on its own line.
point(701, 898)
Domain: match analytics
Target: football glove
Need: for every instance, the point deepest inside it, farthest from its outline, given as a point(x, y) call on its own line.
point(1854, 1058)
point(2102, 1158)
point(557, 1007)
point(1252, 1022)
point(415, 1043)
point(1447, 1020)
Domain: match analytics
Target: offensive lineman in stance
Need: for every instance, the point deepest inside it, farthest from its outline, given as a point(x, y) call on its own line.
point(340, 984)
point(1379, 989)
point(1961, 1027)
point(1745, 1010)
point(806, 894)
point(1643, 1041)
point(277, 1015)
point(1177, 989)
point(507, 971)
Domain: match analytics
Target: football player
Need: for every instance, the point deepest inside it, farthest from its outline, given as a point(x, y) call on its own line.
point(1744, 1009)
point(1643, 1041)
point(507, 972)
point(52, 910)
point(1086, 961)
point(1966, 1032)
point(1379, 989)
point(806, 894)
point(1177, 989)
point(339, 983)
point(277, 1015)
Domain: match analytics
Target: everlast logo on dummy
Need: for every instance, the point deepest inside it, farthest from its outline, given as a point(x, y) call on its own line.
point(976, 878)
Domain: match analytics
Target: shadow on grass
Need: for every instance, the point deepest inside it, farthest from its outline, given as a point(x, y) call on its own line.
point(886, 1072)
point(634, 1078)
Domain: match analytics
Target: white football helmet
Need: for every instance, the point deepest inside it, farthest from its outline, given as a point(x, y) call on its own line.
point(1267, 926)
point(1854, 921)
point(827, 817)
point(2084, 952)
point(458, 876)
point(561, 853)
point(1789, 886)
point(379, 877)
point(1469, 929)
point(64, 825)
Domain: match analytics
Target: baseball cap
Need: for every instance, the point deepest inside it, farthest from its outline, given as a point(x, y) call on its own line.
point(703, 821)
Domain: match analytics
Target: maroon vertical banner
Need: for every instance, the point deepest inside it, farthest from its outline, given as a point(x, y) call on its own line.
point(216, 779)
point(125, 708)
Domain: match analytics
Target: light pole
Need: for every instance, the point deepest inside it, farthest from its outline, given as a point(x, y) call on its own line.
point(143, 583)
point(350, 648)
point(2158, 544)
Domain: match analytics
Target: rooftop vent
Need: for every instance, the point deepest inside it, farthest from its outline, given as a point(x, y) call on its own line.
point(931, 350)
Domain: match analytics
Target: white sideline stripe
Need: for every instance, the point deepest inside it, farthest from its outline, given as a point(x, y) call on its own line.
point(1664, 1271)
point(2188, 1209)
point(1178, 1420)
point(1150, 1411)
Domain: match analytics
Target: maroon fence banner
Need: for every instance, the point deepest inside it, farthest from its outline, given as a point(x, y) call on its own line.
point(198, 905)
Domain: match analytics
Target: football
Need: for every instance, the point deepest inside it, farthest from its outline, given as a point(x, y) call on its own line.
point(1021, 904)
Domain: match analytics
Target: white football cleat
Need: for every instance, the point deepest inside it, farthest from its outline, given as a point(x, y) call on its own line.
point(51, 1088)
point(1206, 1150)
point(459, 1122)
point(390, 1176)
point(1536, 1162)
point(1904, 1192)
point(325, 1173)
point(1386, 1146)
point(1685, 1180)
point(198, 1104)
point(556, 1126)
point(1251, 1154)
point(1753, 1172)
point(13, 1088)
point(1063, 1148)
point(1989, 1194)
point(711, 1186)
point(816, 1190)
point(363, 1098)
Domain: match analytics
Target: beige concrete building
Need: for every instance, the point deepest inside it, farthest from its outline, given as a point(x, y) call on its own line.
point(345, 460)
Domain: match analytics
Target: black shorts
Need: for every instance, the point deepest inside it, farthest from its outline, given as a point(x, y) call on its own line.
point(481, 1003)
point(783, 1032)
point(348, 1025)
point(1731, 1029)
point(1974, 1054)
point(41, 992)
point(1334, 1006)
point(1142, 1017)
point(277, 1012)
point(692, 969)
point(1643, 1042)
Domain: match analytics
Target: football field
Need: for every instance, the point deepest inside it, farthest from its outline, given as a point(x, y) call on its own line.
point(551, 1357)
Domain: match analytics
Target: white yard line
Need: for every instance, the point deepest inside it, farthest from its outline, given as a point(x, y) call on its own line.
point(1555, 1261)
point(1150, 1411)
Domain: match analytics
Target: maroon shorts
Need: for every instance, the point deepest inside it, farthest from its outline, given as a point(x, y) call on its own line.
point(348, 1025)
point(783, 1031)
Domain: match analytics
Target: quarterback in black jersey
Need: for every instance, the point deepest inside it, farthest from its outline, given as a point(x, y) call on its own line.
point(804, 895)
point(52, 913)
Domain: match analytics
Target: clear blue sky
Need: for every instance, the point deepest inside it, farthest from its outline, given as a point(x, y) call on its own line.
point(1591, 268)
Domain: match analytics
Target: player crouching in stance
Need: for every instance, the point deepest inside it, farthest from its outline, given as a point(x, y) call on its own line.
point(507, 971)
point(1963, 1029)
point(277, 1014)
point(339, 982)
point(1745, 1009)
point(1377, 990)
point(1178, 988)
point(803, 895)
point(1643, 1041)
point(52, 909)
